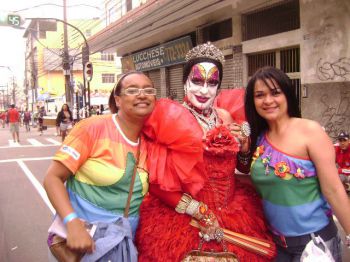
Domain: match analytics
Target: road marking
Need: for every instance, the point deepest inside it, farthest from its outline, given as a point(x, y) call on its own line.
point(5, 147)
point(26, 159)
point(53, 141)
point(37, 185)
point(34, 142)
point(13, 144)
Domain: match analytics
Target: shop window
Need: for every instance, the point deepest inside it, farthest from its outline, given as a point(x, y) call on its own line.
point(108, 78)
point(271, 20)
point(218, 31)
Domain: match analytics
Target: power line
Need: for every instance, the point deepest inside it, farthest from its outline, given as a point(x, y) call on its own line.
point(51, 4)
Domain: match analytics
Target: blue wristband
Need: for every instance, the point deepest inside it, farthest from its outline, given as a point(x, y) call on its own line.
point(69, 217)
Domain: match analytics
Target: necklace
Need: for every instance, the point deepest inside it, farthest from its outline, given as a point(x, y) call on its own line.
point(206, 123)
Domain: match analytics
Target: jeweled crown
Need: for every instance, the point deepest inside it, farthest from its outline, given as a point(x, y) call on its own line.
point(207, 50)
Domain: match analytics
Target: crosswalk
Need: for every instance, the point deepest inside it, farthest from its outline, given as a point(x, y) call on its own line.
point(30, 142)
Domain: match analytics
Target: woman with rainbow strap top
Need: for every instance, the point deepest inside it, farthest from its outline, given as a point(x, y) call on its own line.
point(293, 168)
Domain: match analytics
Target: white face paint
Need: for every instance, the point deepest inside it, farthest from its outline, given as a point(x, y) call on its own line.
point(202, 84)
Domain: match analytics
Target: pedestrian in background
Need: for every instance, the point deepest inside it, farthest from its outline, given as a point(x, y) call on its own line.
point(75, 115)
point(342, 154)
point(13, 119)
point(293, 168)
point(97, 163)
point(41, 114)
point(65, 120)
point(26, 119)
point(3, 119)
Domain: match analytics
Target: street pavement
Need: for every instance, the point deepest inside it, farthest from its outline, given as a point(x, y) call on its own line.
point(25, 211)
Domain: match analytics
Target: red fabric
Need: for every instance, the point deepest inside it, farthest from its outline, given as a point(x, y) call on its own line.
point(169, 198)
point(174, 148)
point(13, 115)
point(342, 159)
point(232, 100)
point(165, 235)
point(173, 161)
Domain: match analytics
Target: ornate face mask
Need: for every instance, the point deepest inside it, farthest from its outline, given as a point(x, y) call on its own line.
point(202, 84)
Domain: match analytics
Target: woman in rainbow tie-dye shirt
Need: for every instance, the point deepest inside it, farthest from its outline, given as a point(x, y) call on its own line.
point(293, 168)
point(97, 160)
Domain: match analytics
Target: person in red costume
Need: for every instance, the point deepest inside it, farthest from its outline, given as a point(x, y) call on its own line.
point(193, 151)
point(342, 155)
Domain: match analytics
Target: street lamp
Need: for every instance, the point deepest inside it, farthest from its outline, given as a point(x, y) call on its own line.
point(85, 53)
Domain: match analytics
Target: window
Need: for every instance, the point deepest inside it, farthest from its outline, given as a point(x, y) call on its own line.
point(259, 60)
point(288, 60)
point(108, 78)
point(218, 31)
point(113, 11)
point(279, 18)
point(107, 57)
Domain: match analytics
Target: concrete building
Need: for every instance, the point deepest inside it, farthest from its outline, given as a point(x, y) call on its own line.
point(308, 39)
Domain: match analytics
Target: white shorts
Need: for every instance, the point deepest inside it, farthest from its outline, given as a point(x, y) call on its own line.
point(66, 126)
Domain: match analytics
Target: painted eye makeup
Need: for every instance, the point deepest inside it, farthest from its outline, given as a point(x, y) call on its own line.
point(213, 82)
point(197, 81)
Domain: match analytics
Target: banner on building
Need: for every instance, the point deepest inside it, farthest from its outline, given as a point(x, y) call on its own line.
point(166, 54)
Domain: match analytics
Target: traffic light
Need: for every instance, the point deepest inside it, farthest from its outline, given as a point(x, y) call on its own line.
point(88, 71)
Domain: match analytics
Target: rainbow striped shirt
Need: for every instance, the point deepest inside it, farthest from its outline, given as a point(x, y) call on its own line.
point(292, 198)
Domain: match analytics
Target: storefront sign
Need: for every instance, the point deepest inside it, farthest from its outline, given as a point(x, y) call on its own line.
point(167, 54)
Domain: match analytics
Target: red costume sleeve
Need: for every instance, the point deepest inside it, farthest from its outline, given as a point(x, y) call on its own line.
point(175, 148)
point(232, 100)
point(169, 198)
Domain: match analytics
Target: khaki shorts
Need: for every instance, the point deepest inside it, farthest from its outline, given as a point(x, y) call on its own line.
point(14, 127)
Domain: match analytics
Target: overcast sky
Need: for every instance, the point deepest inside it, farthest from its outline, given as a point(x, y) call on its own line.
point(12, 43)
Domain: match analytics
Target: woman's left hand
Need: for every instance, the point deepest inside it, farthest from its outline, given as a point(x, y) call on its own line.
point(236, 130)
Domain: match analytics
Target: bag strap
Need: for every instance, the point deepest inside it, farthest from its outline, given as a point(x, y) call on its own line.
point(127, 207)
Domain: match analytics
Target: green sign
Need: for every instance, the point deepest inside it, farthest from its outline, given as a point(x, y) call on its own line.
point(14, 20)
point(10, 20)
point(166, 54)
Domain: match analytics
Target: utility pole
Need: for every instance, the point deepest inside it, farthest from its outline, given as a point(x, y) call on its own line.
point(66, 64)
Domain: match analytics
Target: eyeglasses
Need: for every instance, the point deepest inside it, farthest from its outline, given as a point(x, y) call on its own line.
point(134, 91)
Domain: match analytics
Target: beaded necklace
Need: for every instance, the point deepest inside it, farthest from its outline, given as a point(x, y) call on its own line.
point(206, 123)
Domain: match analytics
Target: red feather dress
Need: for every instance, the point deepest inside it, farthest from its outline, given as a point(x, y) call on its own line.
point(180, 160)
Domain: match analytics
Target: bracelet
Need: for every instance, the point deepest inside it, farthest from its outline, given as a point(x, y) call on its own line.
point(201, 211)
point(243, 158)
point(192, 207)
point(69, 217)
point(183, 203)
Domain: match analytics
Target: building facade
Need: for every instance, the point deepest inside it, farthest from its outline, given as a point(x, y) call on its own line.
point(306, 39)
point(44, 74)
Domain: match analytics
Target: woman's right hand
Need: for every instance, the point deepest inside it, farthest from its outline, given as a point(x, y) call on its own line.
point(209, 228)
point(78, 238)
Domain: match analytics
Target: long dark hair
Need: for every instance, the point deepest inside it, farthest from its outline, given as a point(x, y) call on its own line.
point(256, 122)
point(68, 109)
point(117, 89)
